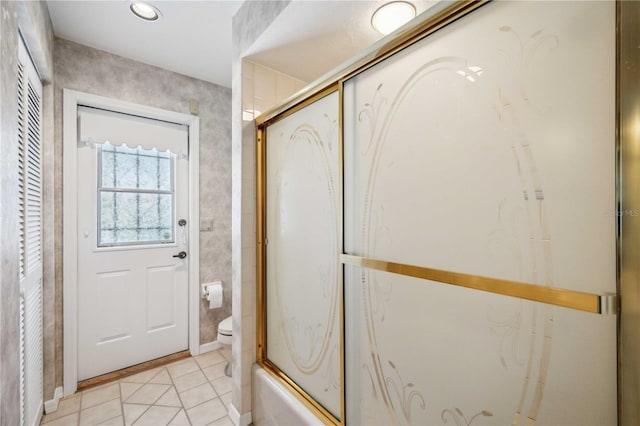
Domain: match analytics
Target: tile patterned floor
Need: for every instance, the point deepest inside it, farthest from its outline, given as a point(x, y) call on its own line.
point(193, 391)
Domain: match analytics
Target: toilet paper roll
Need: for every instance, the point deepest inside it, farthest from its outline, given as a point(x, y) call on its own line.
point(214, 295)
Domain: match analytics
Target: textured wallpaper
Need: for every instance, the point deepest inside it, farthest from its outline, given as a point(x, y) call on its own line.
point(10, 289)
point(85, 69)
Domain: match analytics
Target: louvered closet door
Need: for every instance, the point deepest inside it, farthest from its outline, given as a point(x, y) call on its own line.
point(30, 205)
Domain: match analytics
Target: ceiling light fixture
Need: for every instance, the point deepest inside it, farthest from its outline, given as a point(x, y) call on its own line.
point(392, 15)
point(145, 11)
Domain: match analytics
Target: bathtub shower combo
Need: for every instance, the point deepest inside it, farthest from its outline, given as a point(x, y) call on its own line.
point(436, 238)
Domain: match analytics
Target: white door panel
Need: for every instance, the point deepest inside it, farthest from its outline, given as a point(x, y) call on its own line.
point(111, 289)
point(161, 292)
point(132, 291)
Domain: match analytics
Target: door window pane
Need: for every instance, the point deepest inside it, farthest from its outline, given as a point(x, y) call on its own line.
point(135, 196)
point(135, 168)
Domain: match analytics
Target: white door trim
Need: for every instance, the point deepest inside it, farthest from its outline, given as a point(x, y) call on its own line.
point(71, 100)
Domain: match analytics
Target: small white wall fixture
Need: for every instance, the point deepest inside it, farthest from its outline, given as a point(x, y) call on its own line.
point(71, 100)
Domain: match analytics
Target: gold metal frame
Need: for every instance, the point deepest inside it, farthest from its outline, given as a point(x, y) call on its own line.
point(261, 253)
point(261, 346)
point(628, 266)
point(317, 409)
point(343, 389)
point(628, 209)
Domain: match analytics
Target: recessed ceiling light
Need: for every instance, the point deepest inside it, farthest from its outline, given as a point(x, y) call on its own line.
point(392, 15)
point(145, 11)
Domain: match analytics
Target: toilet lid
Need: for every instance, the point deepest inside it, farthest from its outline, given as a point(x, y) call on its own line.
point(225, 326)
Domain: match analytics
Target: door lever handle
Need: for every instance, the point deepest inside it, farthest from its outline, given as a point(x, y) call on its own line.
point(181, 255)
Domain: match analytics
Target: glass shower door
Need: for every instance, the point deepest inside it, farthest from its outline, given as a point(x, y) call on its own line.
point(481, 157)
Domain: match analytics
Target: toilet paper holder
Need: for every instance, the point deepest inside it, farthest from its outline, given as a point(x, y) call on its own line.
point(204, 293)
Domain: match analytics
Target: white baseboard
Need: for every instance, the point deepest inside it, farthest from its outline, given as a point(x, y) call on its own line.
point(51, 405)
point(208, 347)
point(237, 419)
point(245, 419)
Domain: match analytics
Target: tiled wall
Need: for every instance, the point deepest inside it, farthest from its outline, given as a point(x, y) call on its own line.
point(93, 71)
point(263, 88)
point(248, 24)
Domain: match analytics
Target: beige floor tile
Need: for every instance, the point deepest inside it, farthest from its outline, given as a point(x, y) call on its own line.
point(94, 397)
point(225, 421)
point(162, 378)
point(197, 395)
point(183, 367)
point(147, 394)
point(180, 419)
point(100, 413)
point(132, 412)
point(66, 406)
point(207, 412)
point(189, 380)
point(210, 358)
point(226, 399)
point(143, 377)
point(222, 385)
point(128, 389)
point(116, 421)
point(69, 420)
point(170, 399)
point(214, 371)
point(226, 352)
point(179, 394)
point(157, 416)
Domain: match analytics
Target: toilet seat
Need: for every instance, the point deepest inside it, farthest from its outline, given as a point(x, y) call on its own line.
point(225, 333)
point(226, 327)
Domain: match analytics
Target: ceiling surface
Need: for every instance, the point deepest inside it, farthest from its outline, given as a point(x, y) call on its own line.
point(309, 38)
point(191, 37)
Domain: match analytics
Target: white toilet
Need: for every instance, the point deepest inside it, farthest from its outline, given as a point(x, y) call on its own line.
point(225, 334)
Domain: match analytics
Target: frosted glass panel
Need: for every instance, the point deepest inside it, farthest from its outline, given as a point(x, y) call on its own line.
point(127, 218)
point(488, 148)
point(135, 195)
point(424, 353)
point(135, 168)
point(303, 274)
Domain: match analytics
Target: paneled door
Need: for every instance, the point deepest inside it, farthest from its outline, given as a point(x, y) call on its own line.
point(132, 240)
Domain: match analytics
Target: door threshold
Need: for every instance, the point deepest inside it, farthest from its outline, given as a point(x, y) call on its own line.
point(130, 371)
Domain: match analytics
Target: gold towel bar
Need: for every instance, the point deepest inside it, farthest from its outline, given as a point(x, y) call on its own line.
point(594, 303)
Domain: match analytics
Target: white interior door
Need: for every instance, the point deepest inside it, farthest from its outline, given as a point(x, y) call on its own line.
point(132, 211)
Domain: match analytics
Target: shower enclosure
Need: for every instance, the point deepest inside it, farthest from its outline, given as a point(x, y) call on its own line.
point(440, 223)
